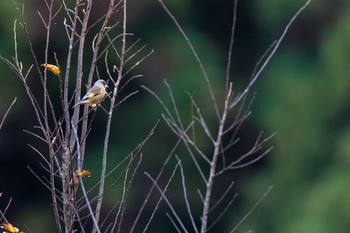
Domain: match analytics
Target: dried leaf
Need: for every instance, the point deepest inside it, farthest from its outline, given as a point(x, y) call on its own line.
point(52, 68)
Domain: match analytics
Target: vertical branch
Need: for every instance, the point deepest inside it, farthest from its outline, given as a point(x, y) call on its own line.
point(68, 142)
point(17, 67)
point(88, 204)
point(216, 154)
point(71, 37)
point(110, 114)
point(79, 78)
point(68, 198)
point(46, 120)
point(42, 117)
point(96, 49)
point(229, 55)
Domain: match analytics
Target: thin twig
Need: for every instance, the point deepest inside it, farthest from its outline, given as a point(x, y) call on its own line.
point(267, 60)
point(7, 111)
point(252, 209)
point(110, 114)
point(229, 55)
point(162, 192)
point(222, 212)
point(189, 211)
point(204, 72)
point(153, 187)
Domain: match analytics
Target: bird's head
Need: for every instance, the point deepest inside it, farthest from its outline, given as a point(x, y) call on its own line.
point(101, 82)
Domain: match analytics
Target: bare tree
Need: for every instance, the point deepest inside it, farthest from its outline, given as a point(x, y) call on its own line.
point(66, 135)
point(231, 113)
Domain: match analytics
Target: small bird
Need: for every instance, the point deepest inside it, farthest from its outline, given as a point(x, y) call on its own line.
point(52, 68)
point(95, 95)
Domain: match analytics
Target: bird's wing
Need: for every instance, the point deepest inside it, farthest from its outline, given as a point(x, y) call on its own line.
point(95, 90)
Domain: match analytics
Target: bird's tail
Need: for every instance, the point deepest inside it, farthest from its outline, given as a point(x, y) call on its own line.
point(76, 105)
point(80, 103)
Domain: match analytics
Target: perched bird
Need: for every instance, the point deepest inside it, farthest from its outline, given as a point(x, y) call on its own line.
point(52, 68)
point(95, 95)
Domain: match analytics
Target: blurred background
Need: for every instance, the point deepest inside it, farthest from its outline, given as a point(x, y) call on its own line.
point(302, 95)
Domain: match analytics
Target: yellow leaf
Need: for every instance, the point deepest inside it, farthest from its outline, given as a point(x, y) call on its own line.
point(52, 68)
point(82, 173)
point(9, 228)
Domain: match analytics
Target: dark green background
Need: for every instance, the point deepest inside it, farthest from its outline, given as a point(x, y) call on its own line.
point(302, 95)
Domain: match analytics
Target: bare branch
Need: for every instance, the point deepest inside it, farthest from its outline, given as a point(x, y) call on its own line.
point(201, 120)
point(7, 207)
point(173, 223)
point(162, 192)
point(125, 191)
point(138, 62)
point(40, 179)
point(222, 212)
point(39, 153)
point(267, 60)
point(115, 91)
point(229, 55)
point(7, 111)
point(200, 64)
point(189, 212)
point(252, 209)
point(42, 19)
point(222, 197)
point(258, 145)
point(153, 187)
